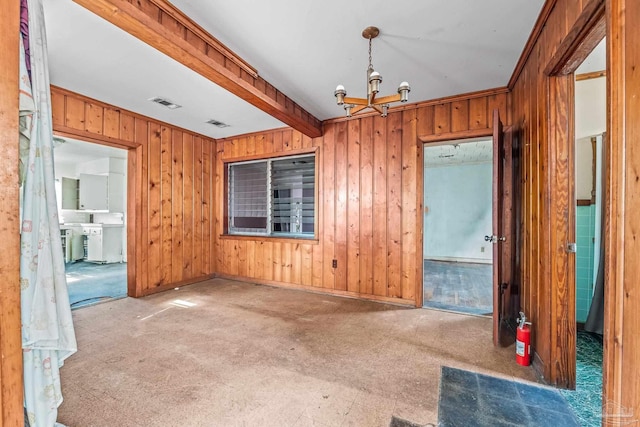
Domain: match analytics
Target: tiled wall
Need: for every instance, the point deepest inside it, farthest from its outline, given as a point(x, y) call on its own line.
point(585, 228)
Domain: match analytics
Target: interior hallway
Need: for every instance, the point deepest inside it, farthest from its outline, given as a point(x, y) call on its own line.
point(229, 353)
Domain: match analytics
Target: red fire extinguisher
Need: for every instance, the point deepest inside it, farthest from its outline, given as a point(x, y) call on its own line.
point(523, 341)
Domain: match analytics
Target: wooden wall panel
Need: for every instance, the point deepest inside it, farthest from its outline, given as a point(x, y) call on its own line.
point(545, 226)
point(341, 188)
point(369, 196)
point(394, 205)
point(353, 206)
point(622, 228)
point(381, 225)
point(174, 198)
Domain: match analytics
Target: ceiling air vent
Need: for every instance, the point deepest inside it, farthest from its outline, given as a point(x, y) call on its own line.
point(217, 123)
point(165, 102)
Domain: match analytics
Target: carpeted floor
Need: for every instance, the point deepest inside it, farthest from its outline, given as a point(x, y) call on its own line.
point(91, 283)
point(586, 399)
point(226, 353)
point(458, 286)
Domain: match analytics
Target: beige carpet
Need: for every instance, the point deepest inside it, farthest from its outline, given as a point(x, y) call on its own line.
point(225, 353)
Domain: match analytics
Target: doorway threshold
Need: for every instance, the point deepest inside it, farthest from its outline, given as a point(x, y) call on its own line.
point(471, 311)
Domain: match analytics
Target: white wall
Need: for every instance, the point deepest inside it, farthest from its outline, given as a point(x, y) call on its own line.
point(458, 212)
point(591, 120)
point(591, 107)
point(584, 168)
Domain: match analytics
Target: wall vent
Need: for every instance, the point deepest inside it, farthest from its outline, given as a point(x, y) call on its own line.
point(165, 102)
point(217, 123)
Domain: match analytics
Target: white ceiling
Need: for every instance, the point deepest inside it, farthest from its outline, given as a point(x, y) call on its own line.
point(304, 49)
point(90, 56)
point(458, 152)
point(69, 152)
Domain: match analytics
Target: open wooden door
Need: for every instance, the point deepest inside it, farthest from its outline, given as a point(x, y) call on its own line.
point(497, 238)
point(503, 235)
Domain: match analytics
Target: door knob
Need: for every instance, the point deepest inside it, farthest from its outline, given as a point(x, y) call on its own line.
point(494, 239)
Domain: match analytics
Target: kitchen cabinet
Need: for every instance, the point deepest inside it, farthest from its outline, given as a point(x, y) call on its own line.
point(72, 242)
point(102, 192)
point(94, 192)
point(70, 188)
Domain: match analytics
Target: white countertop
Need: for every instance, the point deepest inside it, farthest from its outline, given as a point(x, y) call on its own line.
point(77, 224)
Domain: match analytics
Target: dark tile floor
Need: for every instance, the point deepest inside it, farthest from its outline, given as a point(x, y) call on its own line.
point(470, 399)
point(90, 283)
point(458, 286)
point(586, 399)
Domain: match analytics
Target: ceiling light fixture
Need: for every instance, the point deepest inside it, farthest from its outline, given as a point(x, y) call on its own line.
point(355, 105)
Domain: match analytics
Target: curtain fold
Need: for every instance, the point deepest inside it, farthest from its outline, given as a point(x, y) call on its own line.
point(48, 336)
point(595, 318)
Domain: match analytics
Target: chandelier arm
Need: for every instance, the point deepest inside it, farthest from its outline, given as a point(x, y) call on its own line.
point(372, 99)
point(356, 110)
point(387, 99)
point(378, 109)
point(355, 101)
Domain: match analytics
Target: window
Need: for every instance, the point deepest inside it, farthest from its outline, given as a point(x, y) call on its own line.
point(274, 197)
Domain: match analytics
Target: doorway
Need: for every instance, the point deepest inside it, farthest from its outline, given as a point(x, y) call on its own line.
point(458, 261)
point(91, 187)
point(590, 135)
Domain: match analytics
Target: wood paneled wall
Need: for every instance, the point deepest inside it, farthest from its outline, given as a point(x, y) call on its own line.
point(11, 396)
point(622, 238)
point(369, 200)
point(170, 185)
point(546, 225)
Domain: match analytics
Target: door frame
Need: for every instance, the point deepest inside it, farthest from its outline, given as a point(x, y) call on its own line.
point(134, 174)
point(559, 266)
point(508, 191)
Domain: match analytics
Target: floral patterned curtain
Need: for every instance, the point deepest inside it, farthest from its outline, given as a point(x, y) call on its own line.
point(48, 336)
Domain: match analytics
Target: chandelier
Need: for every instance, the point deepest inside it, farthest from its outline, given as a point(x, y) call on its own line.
point(355, 105)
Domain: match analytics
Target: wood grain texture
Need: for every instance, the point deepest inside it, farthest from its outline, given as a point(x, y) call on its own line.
point(497, 224)
point(353, 206)
point(11, 395)
point(170, 201)
point(541, 114)
point(370, 172)
point(562, 210)
point(587, 31)
point(622, 227)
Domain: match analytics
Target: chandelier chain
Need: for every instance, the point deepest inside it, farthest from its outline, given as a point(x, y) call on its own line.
point(380, 104)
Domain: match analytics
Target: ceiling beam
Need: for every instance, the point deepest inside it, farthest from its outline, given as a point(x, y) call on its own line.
point(165, 28)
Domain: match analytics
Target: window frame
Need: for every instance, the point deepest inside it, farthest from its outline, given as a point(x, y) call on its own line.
point(227, 233)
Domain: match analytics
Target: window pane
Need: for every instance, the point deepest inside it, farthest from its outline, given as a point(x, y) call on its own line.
point(293, 195)
point(248, 197)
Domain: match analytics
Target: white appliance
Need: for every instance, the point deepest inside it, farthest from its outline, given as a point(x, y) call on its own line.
point(103, 243)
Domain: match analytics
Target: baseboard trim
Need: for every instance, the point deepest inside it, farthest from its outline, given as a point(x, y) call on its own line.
point(324, 291)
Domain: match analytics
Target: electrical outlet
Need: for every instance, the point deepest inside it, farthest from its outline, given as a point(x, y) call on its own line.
point(334, 263)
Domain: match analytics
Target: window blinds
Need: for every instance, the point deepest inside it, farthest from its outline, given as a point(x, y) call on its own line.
point(293, 195)
point(248, 197)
